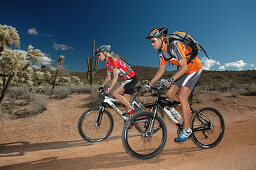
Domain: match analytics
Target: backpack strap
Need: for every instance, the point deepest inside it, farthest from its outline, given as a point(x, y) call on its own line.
point(203, 50)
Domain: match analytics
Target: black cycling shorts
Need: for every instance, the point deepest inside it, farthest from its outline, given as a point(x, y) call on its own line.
point(129, 84)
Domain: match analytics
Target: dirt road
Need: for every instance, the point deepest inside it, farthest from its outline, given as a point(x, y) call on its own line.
point(51, 141)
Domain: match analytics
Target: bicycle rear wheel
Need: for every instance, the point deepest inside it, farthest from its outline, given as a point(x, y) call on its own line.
point(95, 126)
point(208, 127)
point(144, 144)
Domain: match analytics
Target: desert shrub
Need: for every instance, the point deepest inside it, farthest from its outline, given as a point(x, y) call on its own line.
point(250, 90)
point(62, 92)
point(19, 92)
point(37, 104)
point(94, 98)
point(80, 89)
point(46, 89)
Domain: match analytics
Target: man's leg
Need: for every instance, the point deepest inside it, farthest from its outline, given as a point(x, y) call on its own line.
point(172, 93)
point(183, 98)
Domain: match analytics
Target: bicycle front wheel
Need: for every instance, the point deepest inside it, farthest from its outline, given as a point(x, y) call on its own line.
point(151, 107)
point(147, 143)
point(95, 125)
point(208, 127)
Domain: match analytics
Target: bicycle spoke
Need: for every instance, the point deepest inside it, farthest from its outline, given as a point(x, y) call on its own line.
point(144, 143)
point(208, 128)
point(95, 127)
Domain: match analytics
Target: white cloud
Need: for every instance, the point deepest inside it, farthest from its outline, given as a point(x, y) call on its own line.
point(32, 31)
point(222, 67)
point(62, 47)
point(252, 65)
point(239, 64)
point(208, 63)
point(45, 60)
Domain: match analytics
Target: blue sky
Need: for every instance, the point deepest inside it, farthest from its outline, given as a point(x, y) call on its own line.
point(225, 28)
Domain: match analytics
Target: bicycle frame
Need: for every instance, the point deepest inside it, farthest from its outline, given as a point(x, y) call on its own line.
point(110, 101)
point(163, 101)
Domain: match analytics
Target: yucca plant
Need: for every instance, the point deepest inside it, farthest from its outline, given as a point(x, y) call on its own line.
point(60, 61)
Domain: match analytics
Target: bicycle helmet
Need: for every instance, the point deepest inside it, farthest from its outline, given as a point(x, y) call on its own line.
point(157, 32)
point(103, 48)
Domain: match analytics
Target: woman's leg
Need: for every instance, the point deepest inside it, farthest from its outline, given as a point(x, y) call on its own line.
point(118, 95)
point(127, 97)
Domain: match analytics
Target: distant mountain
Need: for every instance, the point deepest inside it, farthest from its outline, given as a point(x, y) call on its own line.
point(208, 77)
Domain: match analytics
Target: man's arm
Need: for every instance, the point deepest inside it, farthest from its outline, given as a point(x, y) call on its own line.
point(182, 70)
point(158, 75)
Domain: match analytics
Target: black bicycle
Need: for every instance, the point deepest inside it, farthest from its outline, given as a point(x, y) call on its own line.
point(148, 140)
point(96, 124)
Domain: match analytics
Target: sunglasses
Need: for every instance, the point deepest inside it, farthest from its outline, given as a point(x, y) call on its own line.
point(153, 41)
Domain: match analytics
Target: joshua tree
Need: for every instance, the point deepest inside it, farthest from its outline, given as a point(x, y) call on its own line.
point(60, 61)
point(92, 65)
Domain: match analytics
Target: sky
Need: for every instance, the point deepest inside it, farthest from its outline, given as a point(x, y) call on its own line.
point(225, 28)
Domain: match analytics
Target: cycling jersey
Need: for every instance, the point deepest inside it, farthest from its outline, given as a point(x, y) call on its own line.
point(123, 71)
point(178, 51)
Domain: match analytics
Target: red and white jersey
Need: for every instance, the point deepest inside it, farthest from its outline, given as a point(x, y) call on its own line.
point(123, 70)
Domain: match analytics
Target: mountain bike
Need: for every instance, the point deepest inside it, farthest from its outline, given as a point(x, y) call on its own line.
point(207, 126)
point(96, 124)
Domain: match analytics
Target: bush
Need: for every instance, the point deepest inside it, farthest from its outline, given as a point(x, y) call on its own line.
point(94, 98)
point(250, 90)
point(80, 89)
point(36, 105)
point(19, 92)
point(62, 92)
point(43, 90)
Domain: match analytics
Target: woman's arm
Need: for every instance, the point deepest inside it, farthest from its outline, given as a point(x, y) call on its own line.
point(108, 77)
point(115, 73)
point(158, 75)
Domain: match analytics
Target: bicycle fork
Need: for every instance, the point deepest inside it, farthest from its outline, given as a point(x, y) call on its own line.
point(101, 110)
point(150, 123)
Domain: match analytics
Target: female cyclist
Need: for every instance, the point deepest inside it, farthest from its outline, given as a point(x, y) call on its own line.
point(124, 91)
point(183, 80)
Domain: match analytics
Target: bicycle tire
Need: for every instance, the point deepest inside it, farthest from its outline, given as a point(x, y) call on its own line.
point(143, 141)
point(203, 133)
point(159, 113)
point(86, 130)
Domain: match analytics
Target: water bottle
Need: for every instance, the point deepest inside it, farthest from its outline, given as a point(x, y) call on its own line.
point(173, 114)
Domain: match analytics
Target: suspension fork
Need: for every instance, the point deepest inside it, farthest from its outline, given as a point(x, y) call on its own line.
point(101, 110)
point(155, 113)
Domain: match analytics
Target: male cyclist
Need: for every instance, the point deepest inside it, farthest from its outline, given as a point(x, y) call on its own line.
point(183, 80)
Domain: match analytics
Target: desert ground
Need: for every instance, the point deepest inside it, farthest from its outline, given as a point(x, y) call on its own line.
point(50, 140)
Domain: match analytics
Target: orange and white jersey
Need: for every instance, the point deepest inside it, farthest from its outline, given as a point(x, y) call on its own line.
point(179, 51)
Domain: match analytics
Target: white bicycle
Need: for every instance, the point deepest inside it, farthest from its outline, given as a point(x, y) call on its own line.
point(96, 124)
